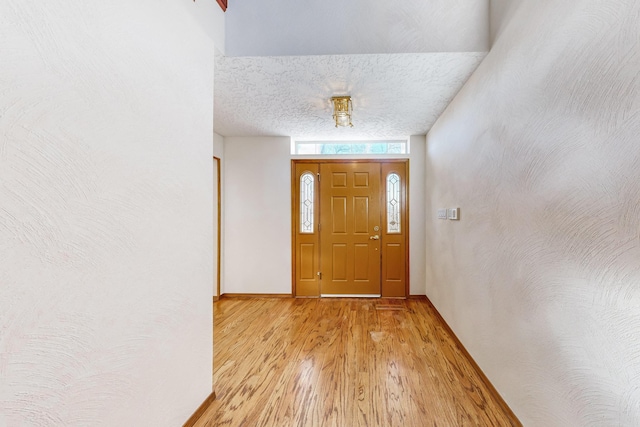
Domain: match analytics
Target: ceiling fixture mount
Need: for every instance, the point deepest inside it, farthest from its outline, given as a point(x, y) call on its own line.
point(342, 110)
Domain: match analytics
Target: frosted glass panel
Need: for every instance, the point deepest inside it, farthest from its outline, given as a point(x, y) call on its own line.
point(307, 181)
point(393, 203)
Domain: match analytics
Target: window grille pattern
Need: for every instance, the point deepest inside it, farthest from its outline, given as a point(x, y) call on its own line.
point(307, 183)
point(393, 203)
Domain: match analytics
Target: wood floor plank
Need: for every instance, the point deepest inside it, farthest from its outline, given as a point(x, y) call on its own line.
point(343, 362)
point(297, 382)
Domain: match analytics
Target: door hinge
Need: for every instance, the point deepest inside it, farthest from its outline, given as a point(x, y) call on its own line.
point(319, 275)
point(318, 176)
point(318, 227)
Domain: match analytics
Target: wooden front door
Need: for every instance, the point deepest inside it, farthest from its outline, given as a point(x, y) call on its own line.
point(350, 228)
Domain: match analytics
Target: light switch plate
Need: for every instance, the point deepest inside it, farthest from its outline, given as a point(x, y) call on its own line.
point(454, 214)
point(442, 214)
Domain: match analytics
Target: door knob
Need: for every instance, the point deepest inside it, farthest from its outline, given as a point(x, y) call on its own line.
point(376, 237)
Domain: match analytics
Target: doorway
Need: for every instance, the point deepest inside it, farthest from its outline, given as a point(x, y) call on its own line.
point(217, 223)
point(350, 228)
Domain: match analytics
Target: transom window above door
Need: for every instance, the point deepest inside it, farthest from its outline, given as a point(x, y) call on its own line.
point(333, 148)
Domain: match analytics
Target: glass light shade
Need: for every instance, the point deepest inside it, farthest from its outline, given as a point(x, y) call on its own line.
point(342, 120)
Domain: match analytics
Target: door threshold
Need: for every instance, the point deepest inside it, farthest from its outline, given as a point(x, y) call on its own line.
point(349, 295)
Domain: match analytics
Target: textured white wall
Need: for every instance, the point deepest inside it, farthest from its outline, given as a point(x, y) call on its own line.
point(333, 27)
point(106, 117)
point(257, 214)
point(541, 277)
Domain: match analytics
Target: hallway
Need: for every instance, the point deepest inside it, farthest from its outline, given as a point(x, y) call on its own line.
point(342, 362)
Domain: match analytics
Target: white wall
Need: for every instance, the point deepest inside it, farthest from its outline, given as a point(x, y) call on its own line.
point(417, 204)
point(334, 27)
point(257, 212)
point(218, 146)
point(106, 117)
point(541, 277)
point(500, 14)
point(210, 19)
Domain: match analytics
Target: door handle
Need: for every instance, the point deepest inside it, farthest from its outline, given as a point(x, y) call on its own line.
point(376, 237)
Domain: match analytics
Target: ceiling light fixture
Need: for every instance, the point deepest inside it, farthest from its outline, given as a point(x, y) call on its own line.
point(342, 110)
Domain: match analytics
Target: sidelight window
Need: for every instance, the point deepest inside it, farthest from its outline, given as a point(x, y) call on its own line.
point(307, 183)
point(393, 203)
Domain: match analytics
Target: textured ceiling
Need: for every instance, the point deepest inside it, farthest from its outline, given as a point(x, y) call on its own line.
point(394, 95)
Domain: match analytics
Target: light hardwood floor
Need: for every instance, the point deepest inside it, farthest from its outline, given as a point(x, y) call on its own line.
point(342, 362)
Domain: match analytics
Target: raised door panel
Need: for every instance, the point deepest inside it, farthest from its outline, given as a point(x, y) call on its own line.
point(339, 263)
point(307, 262)
point(338, 221)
